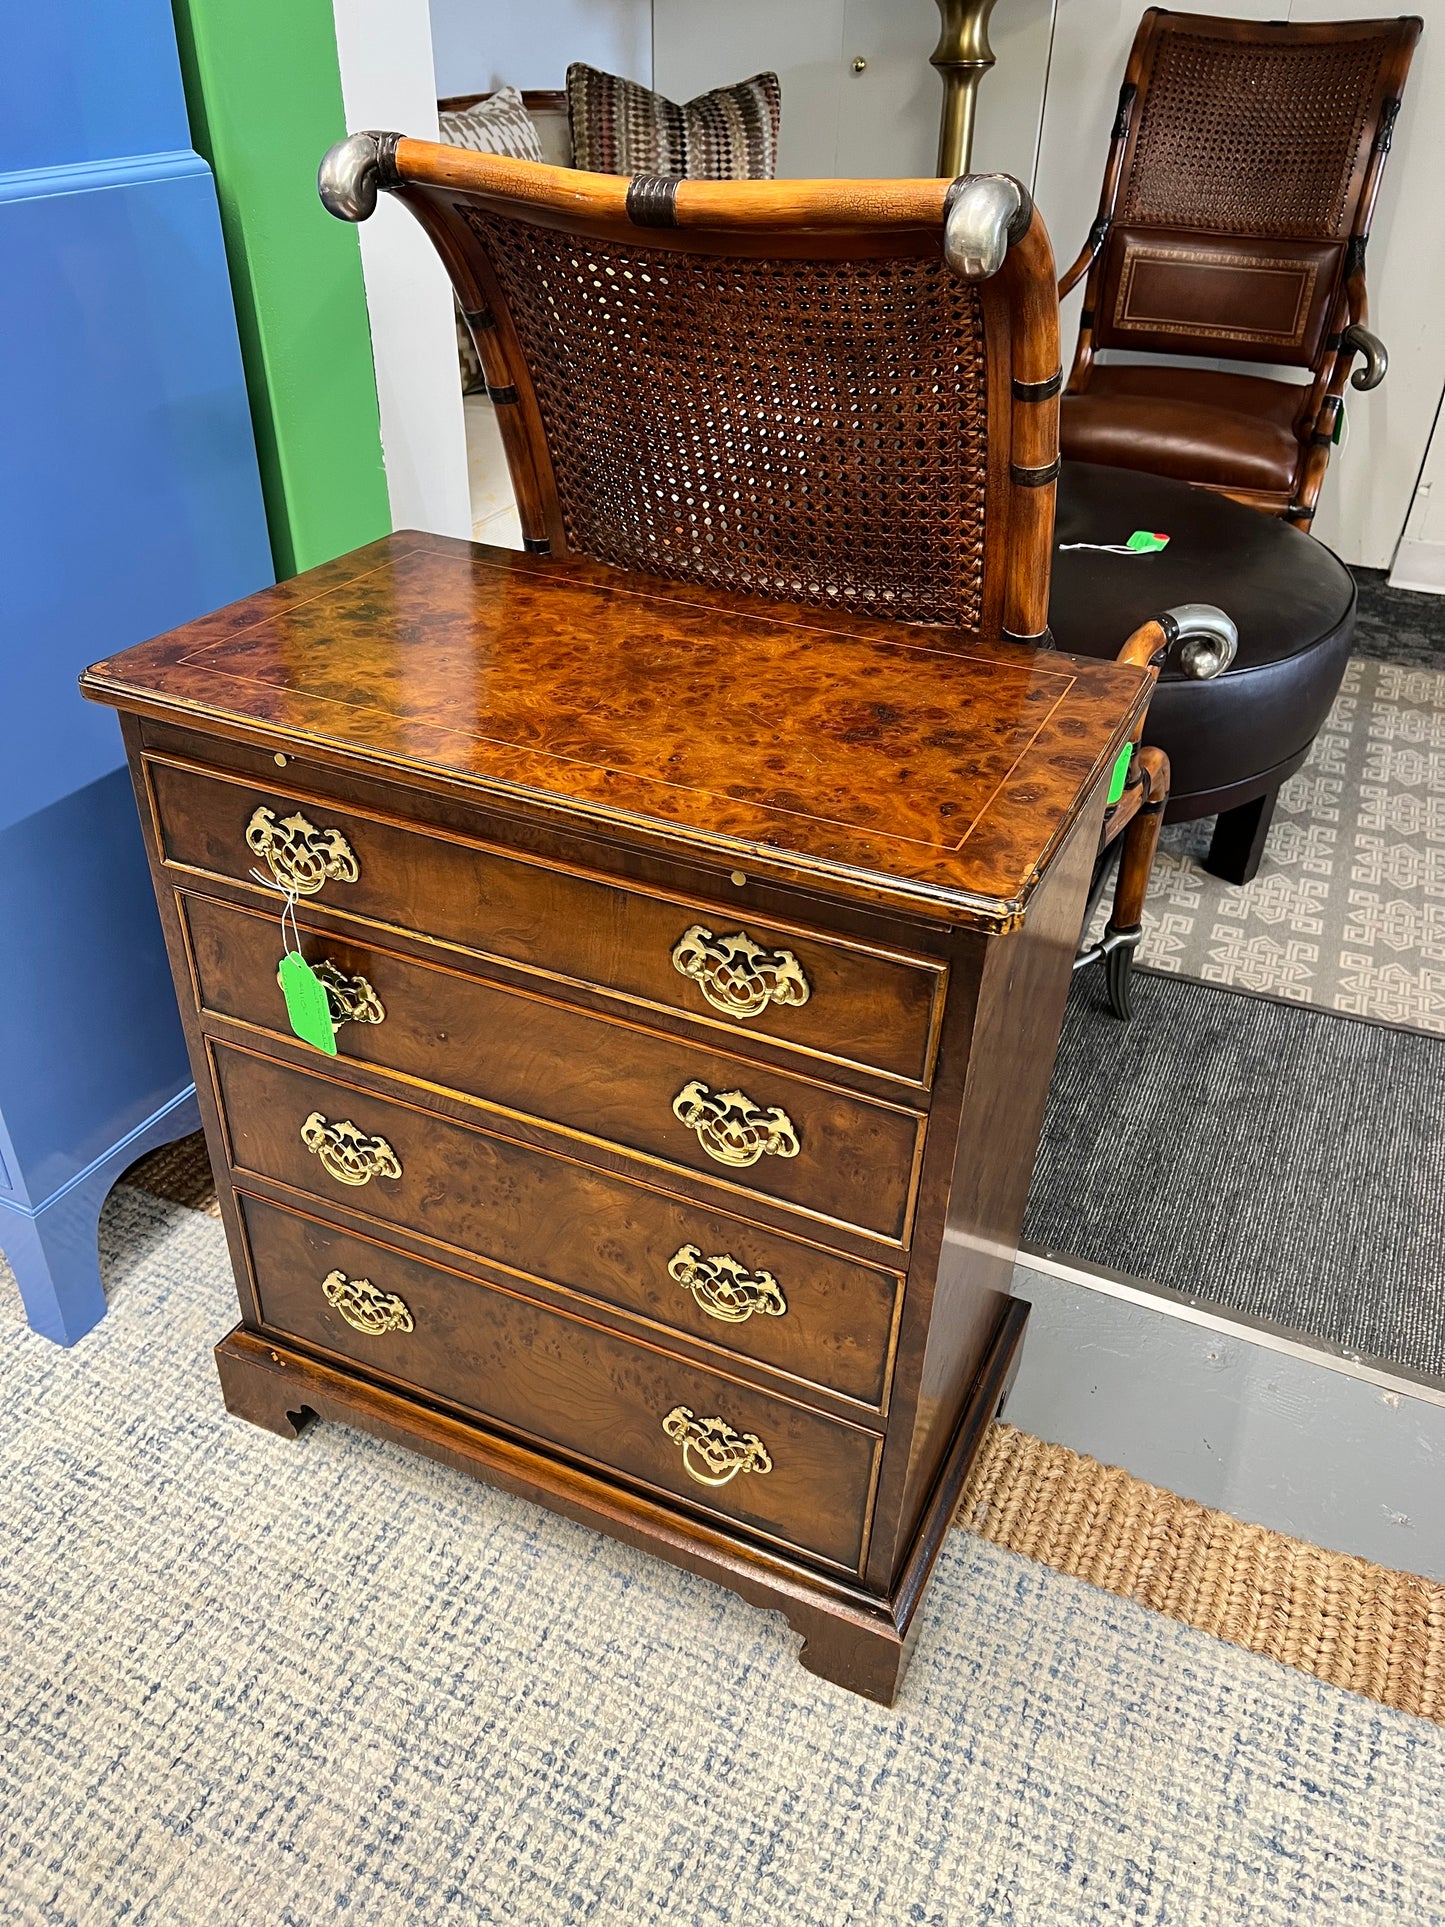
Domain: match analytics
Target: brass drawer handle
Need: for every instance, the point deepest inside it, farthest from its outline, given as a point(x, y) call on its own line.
point(713, 1443)
point(347, 1153)
point(736, 975)
point(725, 1289)
point(731, 1128)
point(299, 856)
point(352, 999)
point(365, 1306)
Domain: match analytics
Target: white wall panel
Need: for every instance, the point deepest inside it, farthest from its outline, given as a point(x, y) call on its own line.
point(384, 49)
point(1011, 95)
point(1368, 490)
point(1420, 558)
point(888, 114)
point(483, 44)
point(695, 47)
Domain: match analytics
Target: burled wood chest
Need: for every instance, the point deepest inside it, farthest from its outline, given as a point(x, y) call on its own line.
point(691, 982)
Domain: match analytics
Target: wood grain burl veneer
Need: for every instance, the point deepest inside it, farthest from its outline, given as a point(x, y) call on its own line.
point(696, 970)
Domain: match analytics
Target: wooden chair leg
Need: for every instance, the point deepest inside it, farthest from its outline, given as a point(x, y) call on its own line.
point(1126, 921)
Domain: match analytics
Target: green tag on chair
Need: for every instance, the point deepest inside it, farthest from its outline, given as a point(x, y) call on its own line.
point(1146, 541)
point(306, 1002)
point(1121, 774)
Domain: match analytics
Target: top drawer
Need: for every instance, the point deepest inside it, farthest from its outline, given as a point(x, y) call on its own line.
point(844, 1002)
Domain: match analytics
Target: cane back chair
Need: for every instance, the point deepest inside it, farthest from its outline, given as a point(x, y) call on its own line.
point(835, 393)
point(1242, 176)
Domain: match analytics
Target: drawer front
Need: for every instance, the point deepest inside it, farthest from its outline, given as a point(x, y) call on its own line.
point(850, 1005)
point(835, 1157)
point(768, 1465)
point(750, 1292)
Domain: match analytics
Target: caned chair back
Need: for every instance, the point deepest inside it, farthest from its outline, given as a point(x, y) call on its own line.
point(1241, 184)
point(840, 393)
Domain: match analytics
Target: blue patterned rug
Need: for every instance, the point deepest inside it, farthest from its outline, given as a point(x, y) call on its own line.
point(267, 1685)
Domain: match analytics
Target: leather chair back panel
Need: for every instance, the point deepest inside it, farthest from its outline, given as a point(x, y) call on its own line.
point(1172, 291)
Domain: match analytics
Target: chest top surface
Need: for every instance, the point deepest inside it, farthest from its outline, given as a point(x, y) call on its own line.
point(915, 766)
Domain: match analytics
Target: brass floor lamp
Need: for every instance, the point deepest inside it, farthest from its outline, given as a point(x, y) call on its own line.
point(963, 56)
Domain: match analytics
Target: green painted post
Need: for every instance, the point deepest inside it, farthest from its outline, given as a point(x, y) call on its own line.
point(264, 92)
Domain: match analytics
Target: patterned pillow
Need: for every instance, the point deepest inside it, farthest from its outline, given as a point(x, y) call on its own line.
point(619, 127)
point(498, 125)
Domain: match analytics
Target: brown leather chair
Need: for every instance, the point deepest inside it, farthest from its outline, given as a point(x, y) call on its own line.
point(835, 393)
point(1240, 185)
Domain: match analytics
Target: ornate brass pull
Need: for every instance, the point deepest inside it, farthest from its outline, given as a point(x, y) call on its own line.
point(348, 1154)
point(352, 999)
point(738, 976)
point(731, 1128)
point(299, 856)
point(714, 1444)
point(725, 1289)
point(365, 1306)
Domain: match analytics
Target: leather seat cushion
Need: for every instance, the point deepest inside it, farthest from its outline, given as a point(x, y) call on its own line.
point(1195, 424)
point(1293, 602)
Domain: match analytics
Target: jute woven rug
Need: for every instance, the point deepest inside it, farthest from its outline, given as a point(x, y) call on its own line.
point(1355, 1625)
point(328, 1683)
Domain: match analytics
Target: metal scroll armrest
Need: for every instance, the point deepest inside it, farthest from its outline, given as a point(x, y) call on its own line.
point(1359, 340)
point(1202, 640)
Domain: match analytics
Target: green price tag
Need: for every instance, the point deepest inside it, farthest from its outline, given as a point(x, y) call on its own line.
point(1146, 541)
point(306, 1004)
point(1121, 774)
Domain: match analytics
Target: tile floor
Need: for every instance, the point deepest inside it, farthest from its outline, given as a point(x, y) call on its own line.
point(494, 512)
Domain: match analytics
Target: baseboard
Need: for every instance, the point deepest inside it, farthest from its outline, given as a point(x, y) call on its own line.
point(1419, 566)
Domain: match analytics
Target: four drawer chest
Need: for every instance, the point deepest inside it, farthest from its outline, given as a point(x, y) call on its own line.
point(689, 977)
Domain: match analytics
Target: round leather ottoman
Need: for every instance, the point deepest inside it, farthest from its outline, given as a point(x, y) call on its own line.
point(1233, 741)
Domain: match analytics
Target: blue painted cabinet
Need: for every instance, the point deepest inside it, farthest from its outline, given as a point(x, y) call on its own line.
point(129, 502)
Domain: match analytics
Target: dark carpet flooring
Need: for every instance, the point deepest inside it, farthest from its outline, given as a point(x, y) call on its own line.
point(1278, 1159)
point(1398, 625)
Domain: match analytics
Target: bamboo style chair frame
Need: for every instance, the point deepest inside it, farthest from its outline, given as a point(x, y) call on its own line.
point(843, 393)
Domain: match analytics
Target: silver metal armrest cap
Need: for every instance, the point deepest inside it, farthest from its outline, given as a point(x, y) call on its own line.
point(982, 215)
point(347, 179)
point(1206, 640)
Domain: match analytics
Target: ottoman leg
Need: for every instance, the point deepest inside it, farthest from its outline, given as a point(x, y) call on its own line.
point(1239, 837)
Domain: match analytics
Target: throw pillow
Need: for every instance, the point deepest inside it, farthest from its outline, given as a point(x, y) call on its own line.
point(620, 127)
point(500, 124)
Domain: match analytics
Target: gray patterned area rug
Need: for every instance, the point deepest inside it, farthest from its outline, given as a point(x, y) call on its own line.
point(1280, 1161)
point(245, 1683)
point(1348, 908)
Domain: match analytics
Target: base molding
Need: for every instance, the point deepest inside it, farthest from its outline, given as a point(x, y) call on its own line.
point(856, 1639)
point(1419, 566)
